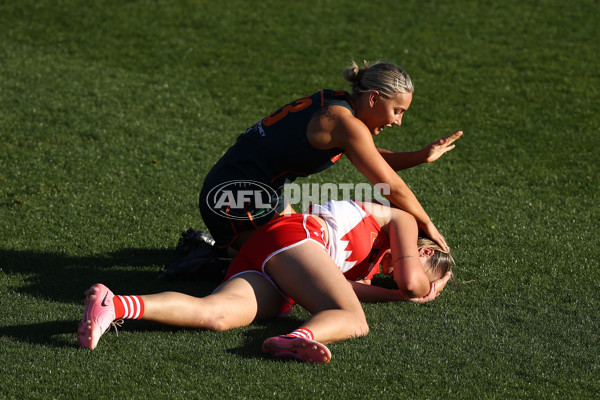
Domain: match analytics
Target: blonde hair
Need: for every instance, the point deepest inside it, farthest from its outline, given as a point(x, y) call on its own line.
point(441, 261)
point(387, 78)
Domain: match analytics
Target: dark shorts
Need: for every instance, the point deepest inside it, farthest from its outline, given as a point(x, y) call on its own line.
point(225, 226)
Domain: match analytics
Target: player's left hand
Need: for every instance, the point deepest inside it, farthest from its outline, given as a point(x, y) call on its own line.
point(437, 149)
point(441, 283)
point(435, 288)
point(429, 297)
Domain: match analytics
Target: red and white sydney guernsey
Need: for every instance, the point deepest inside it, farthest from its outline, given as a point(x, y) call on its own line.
point(356, 241)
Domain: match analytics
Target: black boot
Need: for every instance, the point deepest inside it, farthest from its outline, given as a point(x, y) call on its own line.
point(199, 259)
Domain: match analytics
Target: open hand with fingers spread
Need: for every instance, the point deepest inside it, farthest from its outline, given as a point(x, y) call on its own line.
point(437, 149)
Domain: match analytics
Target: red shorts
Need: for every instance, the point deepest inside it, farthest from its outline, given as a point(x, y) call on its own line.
point(276, 236)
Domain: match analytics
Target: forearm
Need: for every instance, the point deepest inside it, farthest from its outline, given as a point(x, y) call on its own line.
point(407, 266)
point(402, 197)
point(371, 294)
point(400, 161)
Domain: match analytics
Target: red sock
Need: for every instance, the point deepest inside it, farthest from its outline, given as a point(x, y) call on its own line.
point(128, 307)
point(303, 333)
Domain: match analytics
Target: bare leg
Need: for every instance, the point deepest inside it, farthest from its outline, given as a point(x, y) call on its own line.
point(308, 275)
point(238, 302)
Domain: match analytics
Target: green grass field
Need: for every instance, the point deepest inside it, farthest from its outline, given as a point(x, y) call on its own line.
point(112, 113)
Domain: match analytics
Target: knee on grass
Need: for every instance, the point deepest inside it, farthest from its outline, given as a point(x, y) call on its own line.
point(362, 328)
point(357, 326)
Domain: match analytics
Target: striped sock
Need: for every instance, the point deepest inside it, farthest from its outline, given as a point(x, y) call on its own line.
point(128, 307)
point(303, 333)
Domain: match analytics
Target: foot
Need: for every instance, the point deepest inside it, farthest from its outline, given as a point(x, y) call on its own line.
point(98, 315)
point(300, 349)
point(191, 240)
point(201, 263)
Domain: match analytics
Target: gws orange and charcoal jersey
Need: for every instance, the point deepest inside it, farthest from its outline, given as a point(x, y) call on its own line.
point(273, 152)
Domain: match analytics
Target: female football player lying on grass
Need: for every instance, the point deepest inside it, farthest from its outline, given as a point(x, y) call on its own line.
point(322, 260)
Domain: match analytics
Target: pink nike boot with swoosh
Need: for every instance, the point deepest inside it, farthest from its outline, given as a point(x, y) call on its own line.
point(98, 315)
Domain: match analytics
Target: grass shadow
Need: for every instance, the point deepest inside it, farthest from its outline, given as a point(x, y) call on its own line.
point(253, 338)
point(63, 333)
point(59, 277)
point(50, 333)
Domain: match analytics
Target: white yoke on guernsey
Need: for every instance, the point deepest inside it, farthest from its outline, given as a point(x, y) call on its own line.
point(352, 236)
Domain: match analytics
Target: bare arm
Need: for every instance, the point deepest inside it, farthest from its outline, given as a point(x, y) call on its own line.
point(336, 127)
point(400, 227)
point(399, 161)
point(430, 153)
point(356, 140)
point(408, 271)
point(403, 260)
point(371, 294)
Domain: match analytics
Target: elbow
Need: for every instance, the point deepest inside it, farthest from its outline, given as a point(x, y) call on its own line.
point(416, 289)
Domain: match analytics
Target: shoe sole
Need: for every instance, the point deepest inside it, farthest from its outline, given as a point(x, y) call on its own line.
point(300, 349)
point(87, 326)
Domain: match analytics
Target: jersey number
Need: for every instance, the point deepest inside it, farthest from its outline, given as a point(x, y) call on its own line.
point(295, 106)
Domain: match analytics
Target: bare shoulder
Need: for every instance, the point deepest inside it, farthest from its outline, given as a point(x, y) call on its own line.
point(332, 117)
point(350, 132)
point(327, 126)
point(330, 113)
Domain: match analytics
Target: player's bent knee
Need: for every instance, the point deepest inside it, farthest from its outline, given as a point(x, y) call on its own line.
point(359, 326)
point(362, 329)
point(220, 323)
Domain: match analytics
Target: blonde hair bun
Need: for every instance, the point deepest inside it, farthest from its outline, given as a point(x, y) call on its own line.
point(387, 78)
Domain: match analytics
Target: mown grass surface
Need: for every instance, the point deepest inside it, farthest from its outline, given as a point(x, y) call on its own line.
point(111, 114)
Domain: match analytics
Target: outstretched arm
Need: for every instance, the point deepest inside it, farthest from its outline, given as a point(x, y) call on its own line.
point(353, 136)
point(430, 153)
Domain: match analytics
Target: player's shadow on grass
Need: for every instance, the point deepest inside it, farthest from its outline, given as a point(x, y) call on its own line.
point(253, 338)
point(65, 278)
point(53, 333)
point(64, 333)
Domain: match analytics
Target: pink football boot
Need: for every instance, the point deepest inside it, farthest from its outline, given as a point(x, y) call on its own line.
point(98, 316)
